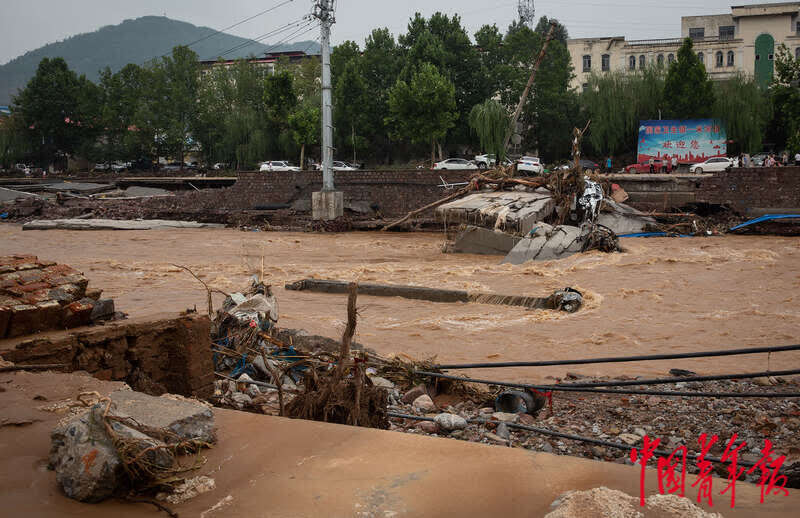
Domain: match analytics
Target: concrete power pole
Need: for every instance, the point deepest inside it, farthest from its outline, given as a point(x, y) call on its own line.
point(326, 204)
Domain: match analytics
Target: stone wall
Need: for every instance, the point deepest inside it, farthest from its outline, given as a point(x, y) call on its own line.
point(754, 191)
point(172, 355)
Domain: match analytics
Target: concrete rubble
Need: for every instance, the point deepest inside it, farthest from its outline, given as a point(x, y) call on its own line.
point(113, 224)
point(602, 502)
point(37, 295)
point(87, 459)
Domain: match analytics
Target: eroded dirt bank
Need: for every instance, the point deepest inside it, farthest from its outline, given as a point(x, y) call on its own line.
point(662, 295)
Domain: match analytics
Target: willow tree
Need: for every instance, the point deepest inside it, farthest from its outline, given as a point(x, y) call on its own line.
point(744, 108)
point(489, 121)
point(615, 102)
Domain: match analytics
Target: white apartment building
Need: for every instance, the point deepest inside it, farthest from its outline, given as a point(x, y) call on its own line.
point(743, 41)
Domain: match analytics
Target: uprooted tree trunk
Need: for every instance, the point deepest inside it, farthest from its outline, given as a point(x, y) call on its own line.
point(335, 397)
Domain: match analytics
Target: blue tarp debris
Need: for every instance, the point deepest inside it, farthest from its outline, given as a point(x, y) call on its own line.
point(767, 217)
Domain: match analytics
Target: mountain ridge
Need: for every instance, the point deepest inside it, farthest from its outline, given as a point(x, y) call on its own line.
point(137, 41)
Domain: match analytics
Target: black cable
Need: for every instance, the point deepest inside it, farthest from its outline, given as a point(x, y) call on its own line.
point(253, 41)
point(618, 359)
point(580, 387)
point(544, 431)
point(308, 28)
point(239, 23)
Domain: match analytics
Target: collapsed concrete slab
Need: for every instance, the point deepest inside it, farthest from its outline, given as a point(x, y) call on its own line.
point(623, 219)
point(183, 417)
point(113, 224)
point(556, 243)
point(482, 241)
point(511, 211)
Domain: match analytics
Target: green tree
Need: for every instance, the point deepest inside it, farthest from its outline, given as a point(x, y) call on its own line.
point(380, 66)
point(489, 120)
point(442, 41)
point(785, 97)
point(169, 108)
point(744, 108)
point(616, 102)
point(552, 109)
point(350, 93)
point(559, 34)
point(688, 92)
point(121, 94)
point(424, 109)
point(58, 111)
point(306, 127)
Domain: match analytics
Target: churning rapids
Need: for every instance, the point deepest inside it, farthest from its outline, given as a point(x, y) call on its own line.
point(662, 295)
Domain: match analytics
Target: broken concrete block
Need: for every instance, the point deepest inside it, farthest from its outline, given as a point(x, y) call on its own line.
point(561, 242)
point(187, 419)
point(479, 240)
point(65, 294)
point(49, 315)
point(77, 314)
point(103, 309)
point(5, 320)
point(623, 219)
point(85, 460)
point(23, 320)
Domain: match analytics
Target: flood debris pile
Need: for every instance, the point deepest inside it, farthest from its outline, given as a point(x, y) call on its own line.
point(485, 413)
point(290, 373)
point(37, 295)
point(129, 444)
point(551, 218)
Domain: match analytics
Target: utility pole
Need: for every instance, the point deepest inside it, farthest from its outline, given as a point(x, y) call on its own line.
point(327, 204)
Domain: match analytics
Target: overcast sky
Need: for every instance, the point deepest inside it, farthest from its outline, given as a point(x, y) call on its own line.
point(28, 24)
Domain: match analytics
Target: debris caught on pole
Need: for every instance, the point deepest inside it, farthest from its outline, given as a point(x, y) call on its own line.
point(527, 90)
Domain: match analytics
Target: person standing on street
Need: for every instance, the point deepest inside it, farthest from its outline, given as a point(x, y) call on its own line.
point(652, 165)
point(797, 159)
point(608, 165)
point(674, 163)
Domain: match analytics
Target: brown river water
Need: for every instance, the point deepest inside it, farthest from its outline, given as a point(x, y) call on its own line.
point(662, 295)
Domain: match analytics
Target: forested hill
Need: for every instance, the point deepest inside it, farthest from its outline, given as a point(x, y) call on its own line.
point(132, 41)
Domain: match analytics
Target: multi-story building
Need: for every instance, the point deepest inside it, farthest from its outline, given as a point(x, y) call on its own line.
point(266, 64)
point(743, 41)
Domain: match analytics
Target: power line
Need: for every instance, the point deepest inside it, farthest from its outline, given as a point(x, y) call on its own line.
point(308, 28)
point(241, 22)
point(254, 41)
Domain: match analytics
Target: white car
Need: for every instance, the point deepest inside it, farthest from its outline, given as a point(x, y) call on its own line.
point(338, 165)
point(278, 165)
point(454, 164)
point(530, 164)
point(711, 165)
point(489, 160)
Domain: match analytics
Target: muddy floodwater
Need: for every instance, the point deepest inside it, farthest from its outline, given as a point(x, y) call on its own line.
point(662, 295)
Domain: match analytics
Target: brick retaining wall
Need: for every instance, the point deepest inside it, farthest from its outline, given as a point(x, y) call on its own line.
point(754, 190)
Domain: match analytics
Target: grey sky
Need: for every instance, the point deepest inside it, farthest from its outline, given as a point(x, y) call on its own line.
point(28, 24)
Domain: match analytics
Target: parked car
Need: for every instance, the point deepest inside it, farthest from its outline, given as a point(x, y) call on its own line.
point(278, 166)
point(659, 166)
point(172, 166)
point(758, 159)
point(103, 166)
point(219, 166)
point(711, 165)
point(338, 165)
point(23, 168)
point(454, 164)
point(530, 164)
point(489, 160)
point(118, 167)
point(143, 164)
